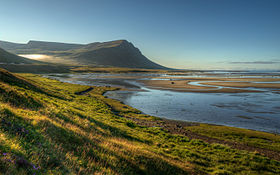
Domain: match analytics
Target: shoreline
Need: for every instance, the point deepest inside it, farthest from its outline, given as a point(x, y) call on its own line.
point(182, 122)
point(125, 85)
point(185, 128)
point(84, 121)
point(193, 84)
point(122, 85)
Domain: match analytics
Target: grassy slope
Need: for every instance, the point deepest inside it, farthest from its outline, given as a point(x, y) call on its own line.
point(57, 132)
point(252, 138)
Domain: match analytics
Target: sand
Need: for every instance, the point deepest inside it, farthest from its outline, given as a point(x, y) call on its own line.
point(244, 84)
point(173, 84)
point(183, 86)
point(222, 79)
point(228, 85)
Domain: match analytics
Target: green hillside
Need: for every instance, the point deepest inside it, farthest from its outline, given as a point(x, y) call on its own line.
point(49, 127)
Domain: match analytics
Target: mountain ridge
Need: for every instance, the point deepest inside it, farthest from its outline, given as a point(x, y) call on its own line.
point(57, 46)
point(9, 58)
point(117, 53)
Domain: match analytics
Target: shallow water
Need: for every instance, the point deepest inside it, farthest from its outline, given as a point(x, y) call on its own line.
point(258, 111)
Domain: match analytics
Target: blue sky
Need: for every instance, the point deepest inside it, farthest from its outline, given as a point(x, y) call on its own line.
point(194, 34)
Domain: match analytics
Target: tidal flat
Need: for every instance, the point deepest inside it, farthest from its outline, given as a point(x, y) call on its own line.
point(213, 98)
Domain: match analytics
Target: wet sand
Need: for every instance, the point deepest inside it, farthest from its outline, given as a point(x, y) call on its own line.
point(244, 84)
point(185, 83)
point(173, 84)
point(184, 86)
point(222, 79)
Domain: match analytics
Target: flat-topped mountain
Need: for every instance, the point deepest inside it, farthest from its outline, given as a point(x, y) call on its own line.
point(119, 53)
point(35, 47)
point(51, 46)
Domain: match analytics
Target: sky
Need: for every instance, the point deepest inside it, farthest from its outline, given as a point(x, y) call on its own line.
point(187, 34)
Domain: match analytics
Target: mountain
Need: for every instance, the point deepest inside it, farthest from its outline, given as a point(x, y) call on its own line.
point(10, 46)
point(37, 47)
point(51, 46)
point(19, 64)
point(120, 53)
point(8, 58)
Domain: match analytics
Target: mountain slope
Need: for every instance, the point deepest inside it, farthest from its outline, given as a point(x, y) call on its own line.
point(33, 47)
point(10, 46)
point(116, 53)
point(120, 53)
point(6, 57)
point(19, 64)
point(51, 46)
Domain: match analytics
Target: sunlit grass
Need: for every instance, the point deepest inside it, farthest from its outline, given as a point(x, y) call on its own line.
point(91, 134)
point(253, 138)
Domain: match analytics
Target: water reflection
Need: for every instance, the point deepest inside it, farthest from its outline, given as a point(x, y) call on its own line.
point(258, 111)
point(251, 111)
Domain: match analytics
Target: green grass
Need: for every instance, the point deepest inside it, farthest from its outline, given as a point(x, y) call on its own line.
point(249, 137)
point(58, 132)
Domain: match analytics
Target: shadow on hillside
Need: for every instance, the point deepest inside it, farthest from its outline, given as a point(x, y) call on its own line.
point(17, 99)
point(15, 80)
point(53, 147)
point(113, 131)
